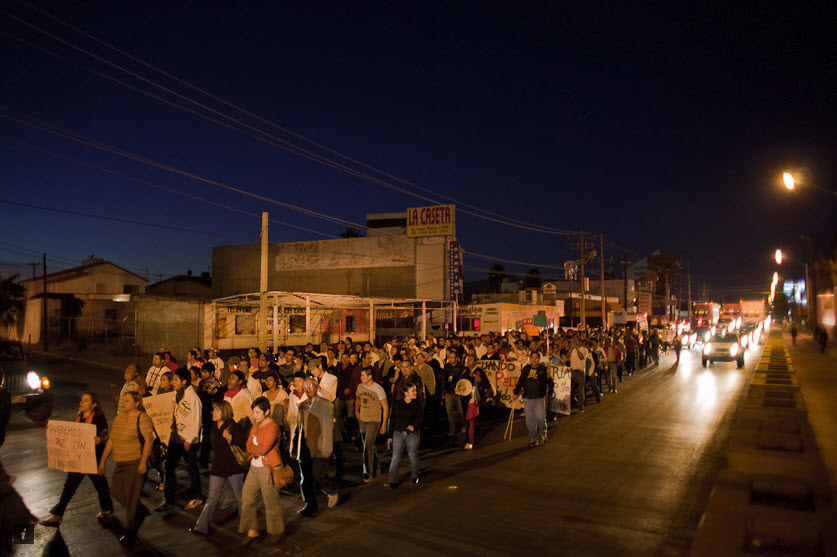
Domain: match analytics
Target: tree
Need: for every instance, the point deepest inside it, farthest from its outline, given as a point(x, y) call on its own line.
point(533, 279)
point(11, 300)
point(496, 274)
point(351, 233)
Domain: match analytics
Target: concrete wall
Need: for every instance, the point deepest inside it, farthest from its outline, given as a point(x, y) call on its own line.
point(388, 266)
point(177, 323)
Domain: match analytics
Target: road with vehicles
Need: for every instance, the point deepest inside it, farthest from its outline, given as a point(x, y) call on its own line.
point(629, 476)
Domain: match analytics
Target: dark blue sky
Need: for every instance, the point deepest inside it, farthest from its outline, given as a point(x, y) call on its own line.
point(664, 127)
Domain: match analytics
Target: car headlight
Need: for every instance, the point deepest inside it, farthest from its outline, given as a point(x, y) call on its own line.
point(706, 337)
point(33, 380)
point(733, 350)
point(708, 348)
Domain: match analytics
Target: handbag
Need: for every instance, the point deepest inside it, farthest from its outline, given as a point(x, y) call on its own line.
point(241, 456)
point(158, 449)
point(281, 475)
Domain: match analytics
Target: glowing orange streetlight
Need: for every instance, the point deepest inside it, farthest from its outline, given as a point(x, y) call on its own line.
point(790, 183)
point(778, 257)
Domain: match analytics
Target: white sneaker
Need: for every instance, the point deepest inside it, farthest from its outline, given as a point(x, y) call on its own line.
point(468, 447)
point(332, 500)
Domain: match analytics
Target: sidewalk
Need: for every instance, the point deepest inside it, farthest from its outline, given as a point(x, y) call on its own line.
point(818, 383)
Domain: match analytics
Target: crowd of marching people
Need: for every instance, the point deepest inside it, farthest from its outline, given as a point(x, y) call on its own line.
point(257, 421)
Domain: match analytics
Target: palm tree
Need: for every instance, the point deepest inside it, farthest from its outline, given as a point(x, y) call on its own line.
point(496, 274)
point(11, 300)
point(533, 279)
point(351, 233)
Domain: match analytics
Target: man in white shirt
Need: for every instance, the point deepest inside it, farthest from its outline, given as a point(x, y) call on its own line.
point(155, 372)
point(253, 384)
point(578, 359)
point(479, 347)
point(327, 381)
point(212, 353)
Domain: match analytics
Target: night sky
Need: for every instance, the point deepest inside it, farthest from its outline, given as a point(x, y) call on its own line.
point(664, 127)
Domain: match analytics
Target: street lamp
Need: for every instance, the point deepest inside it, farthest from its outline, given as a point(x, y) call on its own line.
point(778, 257)
point(790, 183)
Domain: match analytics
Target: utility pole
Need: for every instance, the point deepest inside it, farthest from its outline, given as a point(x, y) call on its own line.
point(263, 288)
point(625, 279)
point(44, 316)
point(601, 260)
point(812, 287)
point(581, 274)
point(689, 287)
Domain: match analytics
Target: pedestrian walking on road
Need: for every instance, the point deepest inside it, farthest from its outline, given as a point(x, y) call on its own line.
point(372, 412)
point(531, 388)
point(312, 443)
point(89, 412)
point(794, 332)
point(405, 433)
point(263, 446)
point(130, 441)
point(224, 433)
point(184, 442)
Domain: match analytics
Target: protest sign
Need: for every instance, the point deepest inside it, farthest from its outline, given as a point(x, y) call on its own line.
point(503, 377)
point(71, 447)
point(561, 387)
point(160, 408)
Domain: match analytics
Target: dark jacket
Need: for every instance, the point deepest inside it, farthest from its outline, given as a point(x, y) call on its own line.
point(403, 381)
point(452, 374)
point(404, 414)
point(344, 380)
point(224, 464)
point(533, 382)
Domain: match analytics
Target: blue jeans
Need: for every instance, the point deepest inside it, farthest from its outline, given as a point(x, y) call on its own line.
point(216, 484)
point(400, 441)
point(535, 409)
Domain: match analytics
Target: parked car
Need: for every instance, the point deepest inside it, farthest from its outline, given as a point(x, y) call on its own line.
point(29, 391)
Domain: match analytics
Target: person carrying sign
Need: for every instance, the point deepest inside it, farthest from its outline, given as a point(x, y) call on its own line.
point(89, 412)
point(532, 387)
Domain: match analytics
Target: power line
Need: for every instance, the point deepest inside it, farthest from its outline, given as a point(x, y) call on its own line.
point(158, 186)
point(115, 219)
point(126, 154)
point(295, 148)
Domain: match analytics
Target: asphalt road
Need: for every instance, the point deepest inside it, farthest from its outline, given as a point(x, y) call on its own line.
point(629, 476)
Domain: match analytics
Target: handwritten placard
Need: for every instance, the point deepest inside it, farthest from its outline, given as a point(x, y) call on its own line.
point(160, 408)
point(71, 447)
point(504, 377)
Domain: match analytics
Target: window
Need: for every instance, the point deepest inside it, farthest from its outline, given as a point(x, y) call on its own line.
point(296, 324)
point(130, 289)
point(350, 323)
point(245, 324)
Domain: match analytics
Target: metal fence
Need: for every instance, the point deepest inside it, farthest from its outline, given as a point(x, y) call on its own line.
point(91, 329)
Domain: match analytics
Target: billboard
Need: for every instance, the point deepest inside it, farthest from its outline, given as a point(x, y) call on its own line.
point(438, 220)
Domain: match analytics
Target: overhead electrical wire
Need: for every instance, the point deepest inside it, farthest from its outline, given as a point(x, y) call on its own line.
point(158, 186)
point(294, 148)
